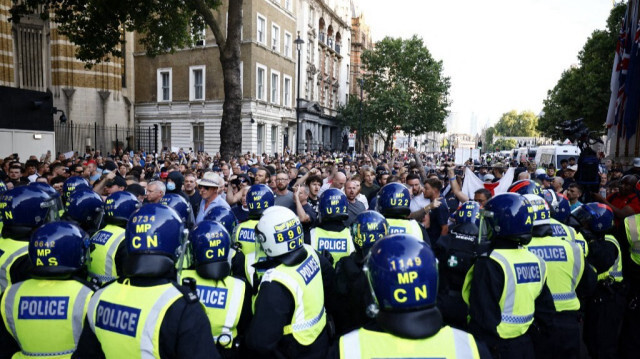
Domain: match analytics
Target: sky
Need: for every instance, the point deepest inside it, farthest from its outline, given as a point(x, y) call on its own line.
point(500, 55)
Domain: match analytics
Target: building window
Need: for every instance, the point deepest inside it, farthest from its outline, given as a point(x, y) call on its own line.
point(287, 4)
point(261, 73)
point(274, 139)
point(164, 85)
point(200, 36)
point(242, 78)
point(275, 37)
point(31, 55)
point(198, 137)
point(196, 83)
point(335, 68)
point(287, 44)
point(286, 92)
point(311, 21)
point(275, 87)
point(165, 135)
point(262, 28)
point(260, 138)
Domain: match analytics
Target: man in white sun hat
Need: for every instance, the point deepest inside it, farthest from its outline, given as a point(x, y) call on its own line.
point(209, 187)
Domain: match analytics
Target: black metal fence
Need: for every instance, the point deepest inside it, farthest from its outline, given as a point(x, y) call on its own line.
point(85, 136)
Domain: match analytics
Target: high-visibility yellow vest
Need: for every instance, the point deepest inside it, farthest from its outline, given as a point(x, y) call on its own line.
point(45, 317)
point(10, 251)
point(126, 319)
point(565, 265)
point(565, 232)
point(245, 235)
point(250, 270)
point(304, 282)
point(339, 244)
point(632, 228)
point(103, 256)
point(448, 343)
point(524, 278)
point(222, 301)
point(409, 226)
point(615, 271)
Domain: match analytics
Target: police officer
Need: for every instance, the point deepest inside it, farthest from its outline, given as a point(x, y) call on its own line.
point(511, 275)
point(3, 189)
point(393, 202)
point(332, 234)
point(108, 248)
point(259, 198)
point(631, 265)
point(560, 211)
point(23, 209)
point(456, 253)
point(59, 205)
point(85, 209)
point(351, 295)
point(44, 315)
point(180, 205)
point(605, 309)
point(145, 313)
point(289, 317)
point(565, 267)
point(228, 220)
point(403, 277)
point(227, 299)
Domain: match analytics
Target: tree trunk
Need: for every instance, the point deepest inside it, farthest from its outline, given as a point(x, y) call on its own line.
point(231, 126)
point(387, 142)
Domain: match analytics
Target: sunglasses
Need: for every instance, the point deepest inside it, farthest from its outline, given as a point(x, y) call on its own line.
point(205, 187)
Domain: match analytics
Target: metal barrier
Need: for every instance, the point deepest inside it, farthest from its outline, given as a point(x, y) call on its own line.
point(82, 136)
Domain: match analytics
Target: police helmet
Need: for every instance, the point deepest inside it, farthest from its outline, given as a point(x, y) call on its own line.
point(368, 227)
point(259, 197)
point(402, 272)
point(541, 212)
point(58, 248)
point(71, 184)
point(27, 207)
point(178, 204)
point(224, 216)
point(85, 207)
point(526, 186)
point(211, 247)
point(508, 216)
point(119, 206)
point(51, 191)
point(155, 237)
point(597, 217)
point(563, 209)
point(279, 231)
point(393, 201)
point(332, 206)
point(468, 212)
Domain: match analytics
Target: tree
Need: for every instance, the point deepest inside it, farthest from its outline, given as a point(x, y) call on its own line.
point(405, 90)
point(517, 124)
point(488, 136)
point(503, 144)
point(97, 28)
point(583, 91)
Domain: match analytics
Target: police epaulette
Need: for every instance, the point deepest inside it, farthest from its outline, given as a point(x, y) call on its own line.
point(93, 286)
point(189, 295)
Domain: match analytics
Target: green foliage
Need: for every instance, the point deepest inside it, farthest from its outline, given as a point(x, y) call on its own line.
point(503, 144)
point(583, 91)
point(517, 124)
point(405, 89)
point(488, 136)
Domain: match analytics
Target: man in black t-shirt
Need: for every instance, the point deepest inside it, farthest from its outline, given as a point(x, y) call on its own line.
point(438, 217)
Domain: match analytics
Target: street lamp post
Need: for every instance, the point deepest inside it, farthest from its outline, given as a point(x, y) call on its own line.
point(298, 43)
point(358, 137)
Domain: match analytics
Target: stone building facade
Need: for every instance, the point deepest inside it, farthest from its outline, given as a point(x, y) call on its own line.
point(183, 92)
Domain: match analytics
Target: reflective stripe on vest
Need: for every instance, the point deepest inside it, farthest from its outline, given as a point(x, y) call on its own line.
point(103, 256)
point(633, 236)
point(26, 312)
point(10, 251)
point(447, 343)
point(250, 271)
point(615, 271)
point(565, 265)
point(408, 226)
point(230, 307)
point(516, 322)
point(339, 244)
point(304, 282)
point(138, 314)
point(245, 235)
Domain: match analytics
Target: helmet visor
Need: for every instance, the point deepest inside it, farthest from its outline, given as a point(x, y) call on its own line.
point(582, 215)
point(52, 214)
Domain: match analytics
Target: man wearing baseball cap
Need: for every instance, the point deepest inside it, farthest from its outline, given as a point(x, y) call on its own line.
point(208, 187)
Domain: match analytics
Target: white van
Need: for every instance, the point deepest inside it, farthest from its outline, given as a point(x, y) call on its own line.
point(524, 154)
point(556, 153)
